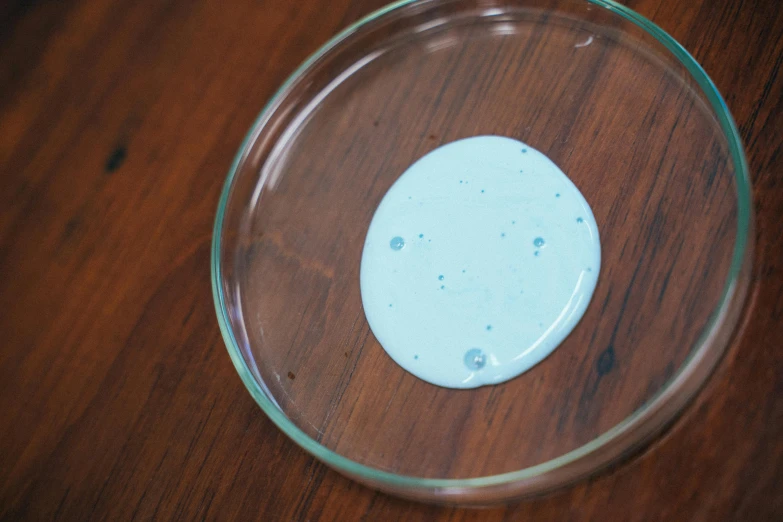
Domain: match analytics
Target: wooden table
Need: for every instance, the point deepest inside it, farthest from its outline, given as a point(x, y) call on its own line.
point(118, 121)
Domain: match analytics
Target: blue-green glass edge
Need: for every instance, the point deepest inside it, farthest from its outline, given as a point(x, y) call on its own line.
point(354, 468)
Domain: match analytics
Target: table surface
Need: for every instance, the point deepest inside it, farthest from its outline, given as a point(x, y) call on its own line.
point(118, 121)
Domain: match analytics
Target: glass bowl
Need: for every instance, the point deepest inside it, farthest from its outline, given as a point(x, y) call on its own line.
point(619, 106)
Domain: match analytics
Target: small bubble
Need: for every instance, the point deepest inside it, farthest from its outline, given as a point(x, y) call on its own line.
point(536, 253)
point(442, 287)
point(589, 269)
point(489, 327)
point(557, 195)
point(390, 305)
point(502, 234)
point(460, 181)
point(421, 235)
point(521, 171)
point(440, 277)
point(475, 359)
point(539, 242)
point(429, 241)
point(410, 197)
point(463, 270)
point(397, 243)
point(524, 151)
point(513, 222)
point(415, 356)
point(579, 220)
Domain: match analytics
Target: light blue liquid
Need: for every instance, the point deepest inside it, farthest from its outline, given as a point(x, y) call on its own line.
point(479, 261)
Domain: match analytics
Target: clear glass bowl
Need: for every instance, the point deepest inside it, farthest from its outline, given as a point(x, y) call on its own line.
point(622, 109)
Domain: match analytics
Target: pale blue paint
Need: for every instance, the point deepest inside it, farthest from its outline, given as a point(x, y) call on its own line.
point(478, 301)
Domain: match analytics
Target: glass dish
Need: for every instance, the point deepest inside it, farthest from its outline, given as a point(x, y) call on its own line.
point(624, 111)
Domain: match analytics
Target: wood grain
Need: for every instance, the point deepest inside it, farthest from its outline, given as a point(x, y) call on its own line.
point(117, 399)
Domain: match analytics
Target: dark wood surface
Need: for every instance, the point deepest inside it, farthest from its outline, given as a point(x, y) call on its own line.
point(117, 399)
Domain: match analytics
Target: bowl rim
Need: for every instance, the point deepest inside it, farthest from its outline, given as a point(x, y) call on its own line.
point(611, 445)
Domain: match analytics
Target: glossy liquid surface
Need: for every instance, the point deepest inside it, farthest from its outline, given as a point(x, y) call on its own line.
point(480, 259)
